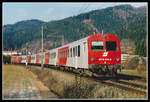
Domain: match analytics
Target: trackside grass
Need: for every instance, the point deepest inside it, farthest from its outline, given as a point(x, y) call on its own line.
point(133, 72)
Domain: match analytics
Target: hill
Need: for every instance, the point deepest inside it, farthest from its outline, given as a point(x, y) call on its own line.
point(14, 35)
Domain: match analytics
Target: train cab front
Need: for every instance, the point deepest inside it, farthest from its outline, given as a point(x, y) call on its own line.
point(104, 53)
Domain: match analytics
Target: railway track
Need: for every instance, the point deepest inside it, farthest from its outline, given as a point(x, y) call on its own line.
point(132, 83)
point(119, 82)
point(127, 86)
point(124, 85)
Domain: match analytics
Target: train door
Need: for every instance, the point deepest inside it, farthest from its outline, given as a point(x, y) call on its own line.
point(76, 58)
point(84, 55)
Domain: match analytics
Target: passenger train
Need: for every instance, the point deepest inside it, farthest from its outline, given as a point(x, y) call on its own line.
point(97, 53)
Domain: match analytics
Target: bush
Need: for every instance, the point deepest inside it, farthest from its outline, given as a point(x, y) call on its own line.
point(6, 59)
point(78, 90)
point(141, 68)
point(132, 63)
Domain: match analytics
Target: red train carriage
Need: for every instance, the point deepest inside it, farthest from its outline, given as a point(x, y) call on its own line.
point(62, 56)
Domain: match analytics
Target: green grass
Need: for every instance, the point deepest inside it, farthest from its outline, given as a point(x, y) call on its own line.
point(133, 72)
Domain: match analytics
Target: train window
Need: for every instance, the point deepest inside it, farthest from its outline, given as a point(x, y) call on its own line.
point(32, 57)
point(53, 55)
point(68, 52)
point(111, 46)
point(78, 50)
point(73, 51)
point(97, 46)
point(40, 57)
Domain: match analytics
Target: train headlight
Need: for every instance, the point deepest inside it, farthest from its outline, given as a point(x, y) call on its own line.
point(92, 59)
point(117, 59)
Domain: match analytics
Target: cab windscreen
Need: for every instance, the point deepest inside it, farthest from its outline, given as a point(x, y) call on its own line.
point(97, 45)
point(111, 46)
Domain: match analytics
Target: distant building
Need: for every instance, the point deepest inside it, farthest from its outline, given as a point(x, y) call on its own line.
point(125, 57)
point(9, 53)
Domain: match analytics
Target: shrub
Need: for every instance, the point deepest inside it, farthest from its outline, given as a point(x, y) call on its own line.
point(141, 68)
point(78, 90)
point(132, 63)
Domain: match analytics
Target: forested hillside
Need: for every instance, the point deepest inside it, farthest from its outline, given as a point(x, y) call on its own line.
point(15, 35)
point(135, 31)
point(124, 21)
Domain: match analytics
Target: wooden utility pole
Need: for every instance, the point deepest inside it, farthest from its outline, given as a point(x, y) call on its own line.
point(42, 50)
point(26, 55)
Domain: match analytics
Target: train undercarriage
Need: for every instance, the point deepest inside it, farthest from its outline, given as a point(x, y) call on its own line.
point(106, 70)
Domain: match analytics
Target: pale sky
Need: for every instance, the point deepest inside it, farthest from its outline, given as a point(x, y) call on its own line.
point(14, 12)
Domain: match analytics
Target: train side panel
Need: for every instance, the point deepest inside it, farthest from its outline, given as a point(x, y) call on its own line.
point(77, 54)
point(29, 59)
point(33, 59)
point(47, 55)
point(23, 59)
point(53, 57)
point(62, 56)
point(38, 58)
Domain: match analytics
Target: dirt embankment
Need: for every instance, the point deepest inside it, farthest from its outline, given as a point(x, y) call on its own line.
point(69, 86)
